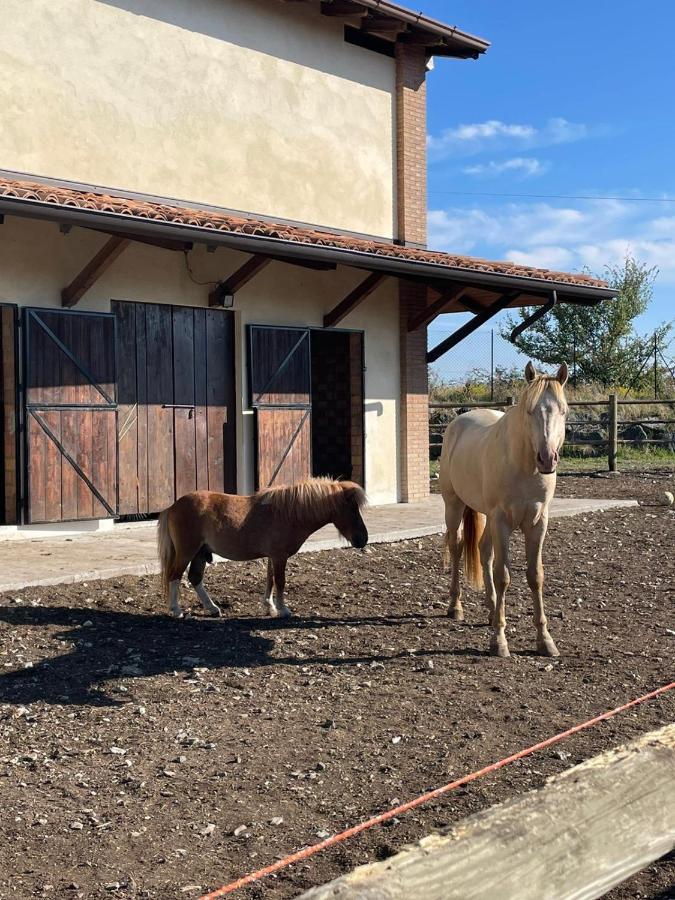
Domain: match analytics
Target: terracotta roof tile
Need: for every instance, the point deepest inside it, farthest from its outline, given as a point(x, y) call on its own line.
point(234, 224)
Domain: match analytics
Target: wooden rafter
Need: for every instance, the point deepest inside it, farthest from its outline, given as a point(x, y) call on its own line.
point(354, 299)
point(375, 24)
point(346, 9)
point(90, 274)
point(436, 308)
point(465, 330)
point(237, 280)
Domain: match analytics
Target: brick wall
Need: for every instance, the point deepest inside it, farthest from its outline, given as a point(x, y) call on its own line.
point(412, 230)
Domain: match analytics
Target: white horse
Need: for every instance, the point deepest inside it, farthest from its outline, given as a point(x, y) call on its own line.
point(500, 469)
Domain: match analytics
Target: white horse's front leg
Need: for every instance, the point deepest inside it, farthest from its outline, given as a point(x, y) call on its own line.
point(500, 532)
point(487, 560)
point(534, 542)
point(454, 510)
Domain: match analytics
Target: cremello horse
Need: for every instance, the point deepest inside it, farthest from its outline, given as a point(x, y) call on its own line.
point(273, 523)
point(498, 473)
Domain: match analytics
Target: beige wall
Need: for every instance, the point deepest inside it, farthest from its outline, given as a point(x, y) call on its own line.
point(37, 261)
point(253, 105)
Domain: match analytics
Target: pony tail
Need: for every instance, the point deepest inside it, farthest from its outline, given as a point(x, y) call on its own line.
point(165, 550)
point(474, 525)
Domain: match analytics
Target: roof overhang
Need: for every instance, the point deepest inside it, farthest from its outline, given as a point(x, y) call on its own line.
point(436, 275)
point(397, 24)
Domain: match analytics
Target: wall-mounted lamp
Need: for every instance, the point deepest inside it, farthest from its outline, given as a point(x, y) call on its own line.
point(221, 296)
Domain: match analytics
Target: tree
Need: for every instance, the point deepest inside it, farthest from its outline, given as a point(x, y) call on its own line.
point(598, 342)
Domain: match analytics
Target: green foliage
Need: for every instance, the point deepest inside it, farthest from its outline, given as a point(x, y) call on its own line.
point(599, 343)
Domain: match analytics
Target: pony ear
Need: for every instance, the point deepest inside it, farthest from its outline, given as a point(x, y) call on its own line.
point(530, 372)
point(563, 374)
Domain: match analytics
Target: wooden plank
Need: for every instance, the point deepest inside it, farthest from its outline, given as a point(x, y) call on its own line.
point(127, 398)
point(53, 463)
point(201, 424)
point(84, 443)
point(284, 446)
point(353, 299)
point(99, 462)
point(230, 426)
point(9, 389)
point(142, 398)
point(161, 475)
point(36, 470)
point(357, 424)
point(90, 274)
point(69, 477)
point(184, 395)
point(216, 398)
point(582, 834)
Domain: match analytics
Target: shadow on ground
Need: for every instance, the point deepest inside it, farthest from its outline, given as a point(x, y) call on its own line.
point(109, 646)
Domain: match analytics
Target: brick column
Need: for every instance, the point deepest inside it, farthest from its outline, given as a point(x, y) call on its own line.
point(411, 137)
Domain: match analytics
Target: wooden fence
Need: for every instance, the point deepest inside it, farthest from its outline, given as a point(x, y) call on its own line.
point(575, 426)
point(582, 834)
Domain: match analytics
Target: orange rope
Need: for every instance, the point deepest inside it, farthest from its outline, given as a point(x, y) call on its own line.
point(418, 801)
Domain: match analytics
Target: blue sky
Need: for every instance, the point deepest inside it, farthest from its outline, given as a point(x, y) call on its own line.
point(573, 98)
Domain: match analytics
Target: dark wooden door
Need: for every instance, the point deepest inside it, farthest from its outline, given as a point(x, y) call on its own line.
point(280, 393)
point(9, 482)
point(177, 400)
point(71, 414)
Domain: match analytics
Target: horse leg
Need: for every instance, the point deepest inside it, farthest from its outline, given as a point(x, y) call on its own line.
point(268, 599)
point(500, 533)
point(487, 557)
point(175, 576)
point(534, 542)
point(196, 579)
point(279, 608)
point(454, 510)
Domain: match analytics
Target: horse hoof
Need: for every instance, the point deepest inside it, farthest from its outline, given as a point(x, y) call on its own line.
point(285, 613)
point(457, 614)
point(177, 614)
point(214, 613)
point(547, 648)
point(500, 649)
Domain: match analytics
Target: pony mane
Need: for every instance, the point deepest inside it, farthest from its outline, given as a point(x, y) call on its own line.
point(534, 390)
point(315, 496)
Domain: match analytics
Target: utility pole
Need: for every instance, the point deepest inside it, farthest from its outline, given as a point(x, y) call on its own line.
point(656, 368)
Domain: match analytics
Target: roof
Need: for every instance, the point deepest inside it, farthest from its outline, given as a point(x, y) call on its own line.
point(393, 22)
point(111, 211)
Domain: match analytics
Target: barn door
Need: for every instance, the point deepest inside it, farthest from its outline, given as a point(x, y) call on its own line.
point(71, 413)
point(9, 494)
point(280, 386)
point(176, 403)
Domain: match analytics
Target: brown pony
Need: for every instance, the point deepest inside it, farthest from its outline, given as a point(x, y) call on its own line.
point(273, 523)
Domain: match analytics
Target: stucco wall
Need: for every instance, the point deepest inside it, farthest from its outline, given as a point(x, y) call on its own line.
point(37, 261)
point(253, 105)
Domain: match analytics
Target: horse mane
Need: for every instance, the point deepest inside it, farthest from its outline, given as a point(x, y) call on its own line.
point(313, 497)
point(534, 390)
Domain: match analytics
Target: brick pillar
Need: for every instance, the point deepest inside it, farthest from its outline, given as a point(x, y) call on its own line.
point(411, 137)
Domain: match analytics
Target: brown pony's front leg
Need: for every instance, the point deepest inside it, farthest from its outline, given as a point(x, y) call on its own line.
point(277, 606)
point(268, 599)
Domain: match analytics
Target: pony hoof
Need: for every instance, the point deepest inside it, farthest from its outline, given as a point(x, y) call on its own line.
point(285, 613)
point(215, 613)
point(177, 614)
point(456, 614)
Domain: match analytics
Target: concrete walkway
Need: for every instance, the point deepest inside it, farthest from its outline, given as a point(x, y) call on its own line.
point(130, 549)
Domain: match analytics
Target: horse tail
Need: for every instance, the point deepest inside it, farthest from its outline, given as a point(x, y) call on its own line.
point(165, 550)
point(474, 525)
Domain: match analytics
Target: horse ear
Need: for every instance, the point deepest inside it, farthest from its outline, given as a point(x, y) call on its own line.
point(530, 372)
point(563, 374)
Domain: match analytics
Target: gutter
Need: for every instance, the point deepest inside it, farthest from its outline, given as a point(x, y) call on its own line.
point(251, 243)
point(449, 32)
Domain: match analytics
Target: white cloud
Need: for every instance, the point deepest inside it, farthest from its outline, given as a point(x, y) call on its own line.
point(592, 234)
point(471, 139)
point(526, 167)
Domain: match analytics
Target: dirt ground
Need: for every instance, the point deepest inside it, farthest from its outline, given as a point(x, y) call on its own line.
point(143, 757)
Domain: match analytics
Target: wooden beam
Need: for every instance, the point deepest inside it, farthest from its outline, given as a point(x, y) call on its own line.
point(480, 319)
point(436, 308)
point(237, 280)
point(162, 243)
point(105, 257)
point(383, 25)
point(351, 301)
point(579, 836)
point(344, 9)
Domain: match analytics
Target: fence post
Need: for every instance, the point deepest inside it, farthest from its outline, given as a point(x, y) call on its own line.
point(510, 401)
point(613, 442)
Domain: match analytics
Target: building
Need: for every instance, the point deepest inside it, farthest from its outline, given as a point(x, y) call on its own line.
point(212, 254)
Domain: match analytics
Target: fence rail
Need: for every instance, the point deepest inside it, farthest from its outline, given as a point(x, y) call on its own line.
point(612, 423)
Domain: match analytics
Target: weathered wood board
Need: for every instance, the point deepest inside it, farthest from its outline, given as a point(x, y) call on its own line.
point(586, 831)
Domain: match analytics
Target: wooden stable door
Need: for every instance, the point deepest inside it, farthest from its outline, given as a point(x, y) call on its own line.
point(70, 406)
point(280, 387)
point(176, 403)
